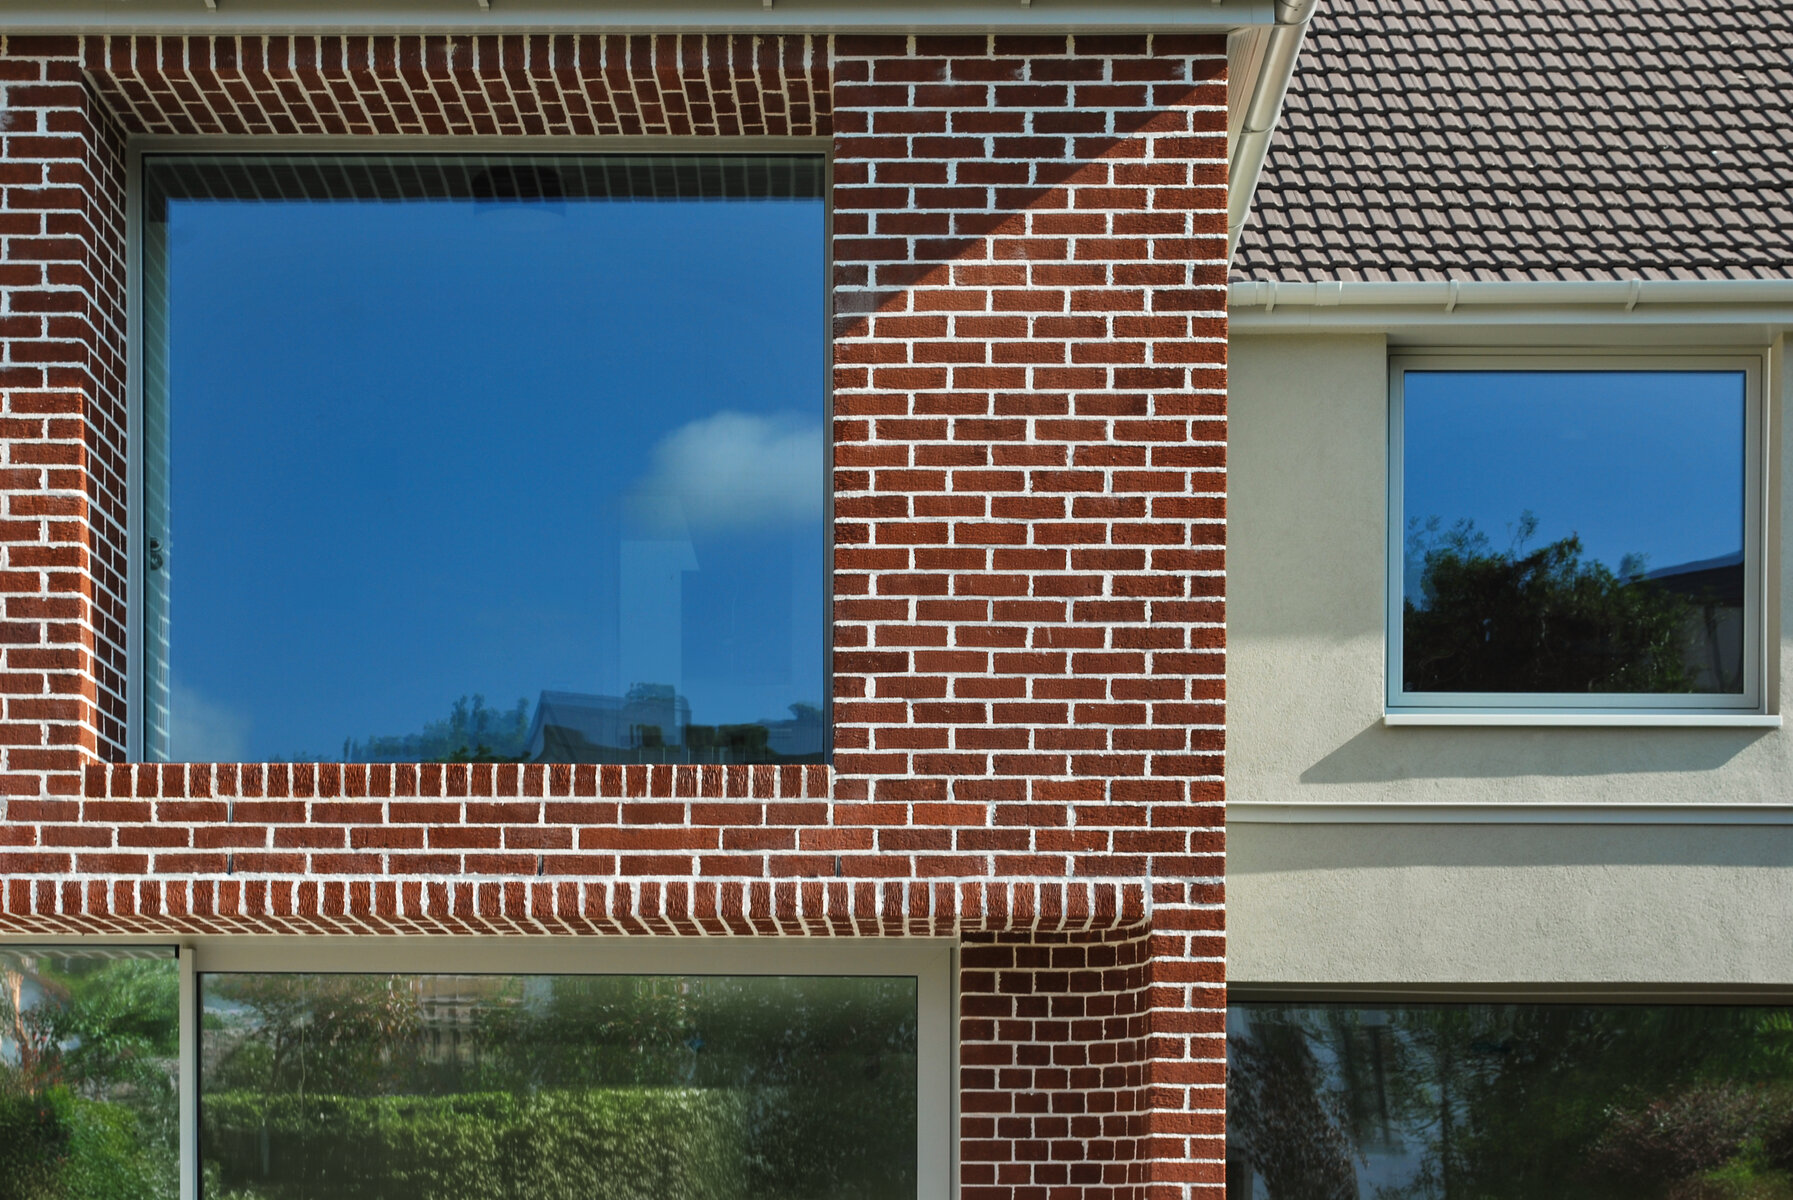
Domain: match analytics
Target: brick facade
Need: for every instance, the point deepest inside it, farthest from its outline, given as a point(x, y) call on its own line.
point(1029, 400)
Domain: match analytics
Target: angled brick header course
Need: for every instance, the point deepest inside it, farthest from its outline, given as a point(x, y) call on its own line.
point(675, 86)
point(1029, 437)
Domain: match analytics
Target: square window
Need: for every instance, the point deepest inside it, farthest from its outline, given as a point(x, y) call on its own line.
point(482, 458)
point(1575, 536)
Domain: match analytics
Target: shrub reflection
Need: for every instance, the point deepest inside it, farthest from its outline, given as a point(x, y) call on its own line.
point(1491, 1102)
point(526, 1087)
point(89, 1047)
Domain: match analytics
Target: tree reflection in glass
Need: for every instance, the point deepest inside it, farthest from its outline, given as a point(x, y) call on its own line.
point(442, 1087)
point(89, 1052)
point(1504, 1101)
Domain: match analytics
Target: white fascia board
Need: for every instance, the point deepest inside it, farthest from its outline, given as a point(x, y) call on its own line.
point(1361, 306)
point(1260, 69)
point(1244, 64)
point(627, 16)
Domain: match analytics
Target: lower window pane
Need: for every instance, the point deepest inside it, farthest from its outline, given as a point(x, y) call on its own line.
point(1497, 1101)
point(89, 1074)
point(562, 1087)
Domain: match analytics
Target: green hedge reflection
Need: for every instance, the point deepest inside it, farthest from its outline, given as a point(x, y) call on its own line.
point(89, 1048)
point(408, 1087)
point(1499, 1102)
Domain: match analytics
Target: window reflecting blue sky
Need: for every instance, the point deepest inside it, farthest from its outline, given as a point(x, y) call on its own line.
point(435, 448)
point(1643, 463)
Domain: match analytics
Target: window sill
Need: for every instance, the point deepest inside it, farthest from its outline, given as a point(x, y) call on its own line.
point(1639, 719)
point(1409, 812)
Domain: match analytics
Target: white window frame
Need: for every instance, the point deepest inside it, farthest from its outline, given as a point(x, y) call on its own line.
point(1532, 708)
point(931, 962)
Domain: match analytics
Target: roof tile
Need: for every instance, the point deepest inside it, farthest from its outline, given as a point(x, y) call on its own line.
point(1516, 139)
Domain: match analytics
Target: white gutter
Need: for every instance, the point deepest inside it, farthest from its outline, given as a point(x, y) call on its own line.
point(1449, 295)
point(1365, 307)
point(1252, 144)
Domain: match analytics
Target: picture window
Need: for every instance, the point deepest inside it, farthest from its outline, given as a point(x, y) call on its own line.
point(503, 458)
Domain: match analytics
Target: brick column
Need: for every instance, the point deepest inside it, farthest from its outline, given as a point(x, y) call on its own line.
point(1029, 399)
point(62, 402)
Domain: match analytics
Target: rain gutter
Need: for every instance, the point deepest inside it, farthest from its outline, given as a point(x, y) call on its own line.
point(1342, 304)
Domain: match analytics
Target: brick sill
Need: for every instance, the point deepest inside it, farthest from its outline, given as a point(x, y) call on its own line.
point(381, 781)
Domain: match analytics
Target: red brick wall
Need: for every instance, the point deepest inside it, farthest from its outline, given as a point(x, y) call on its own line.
point(1029, 496)
point(62, 406)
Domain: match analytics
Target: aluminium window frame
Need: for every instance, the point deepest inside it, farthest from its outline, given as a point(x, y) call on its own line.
point(1751, 708)
point(139, 146)
point(932, 962)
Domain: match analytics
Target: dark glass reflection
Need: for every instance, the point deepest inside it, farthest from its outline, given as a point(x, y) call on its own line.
point(89, 1074)
point(485, 458)
point(1573, 531)
point(1508, 1102)
point(441, 1087)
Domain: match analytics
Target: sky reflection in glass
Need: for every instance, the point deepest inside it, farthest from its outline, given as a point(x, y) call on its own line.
point(1634, 462)
point(564, 450)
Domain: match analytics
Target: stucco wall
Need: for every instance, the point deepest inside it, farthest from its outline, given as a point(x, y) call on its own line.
point(1414, 902)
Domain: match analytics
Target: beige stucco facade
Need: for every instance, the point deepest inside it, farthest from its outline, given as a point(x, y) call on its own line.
point(1695, 890)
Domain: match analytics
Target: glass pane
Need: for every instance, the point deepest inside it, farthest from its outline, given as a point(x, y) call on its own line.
point(491, 459)
point(1508, 1102)
point(537, 1087)
point(1573, 531)
point(89, 1074)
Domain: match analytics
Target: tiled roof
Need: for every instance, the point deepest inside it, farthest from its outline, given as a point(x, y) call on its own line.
point(1533, 139)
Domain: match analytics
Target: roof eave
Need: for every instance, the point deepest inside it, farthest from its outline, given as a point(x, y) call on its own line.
point(1376, 305)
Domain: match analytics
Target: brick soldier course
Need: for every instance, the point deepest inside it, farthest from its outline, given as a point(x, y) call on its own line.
point(1029, 519)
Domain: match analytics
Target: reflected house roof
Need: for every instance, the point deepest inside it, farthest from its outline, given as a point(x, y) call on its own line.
point(1532, 140)
point(804, 733)
point(582, 726)
point(568, 725)
point(1716, 581)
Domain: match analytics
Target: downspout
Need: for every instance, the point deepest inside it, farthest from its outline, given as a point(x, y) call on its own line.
point(1283, 48)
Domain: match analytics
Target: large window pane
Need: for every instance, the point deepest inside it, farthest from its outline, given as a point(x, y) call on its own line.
point(1508, 1102)
point(89, 1074)
point(498, 458)
point(1573, 531)
point(442, 1087)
